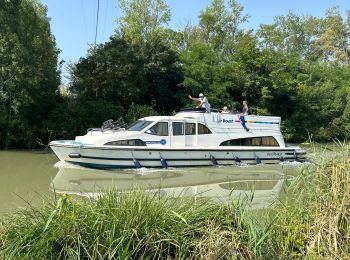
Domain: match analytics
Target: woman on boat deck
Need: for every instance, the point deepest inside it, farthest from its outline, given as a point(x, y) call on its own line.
point(245, 108)
point(225, 110)
point(203, 101)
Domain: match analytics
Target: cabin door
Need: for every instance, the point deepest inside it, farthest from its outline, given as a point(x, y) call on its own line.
point(178, 134)
point(190, 132)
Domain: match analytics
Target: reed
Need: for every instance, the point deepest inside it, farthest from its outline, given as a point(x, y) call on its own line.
point(137, 225)
point(313, 221)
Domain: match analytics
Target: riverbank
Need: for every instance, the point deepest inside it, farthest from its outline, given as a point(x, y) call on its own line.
point(312, 221)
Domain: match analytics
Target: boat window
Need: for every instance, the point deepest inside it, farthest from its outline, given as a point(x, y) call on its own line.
point(178, 128)
point(131, 142)
point(139, 125)
point(202, 129)
point(269, 141)
point(190, 128)
point(253, 141)
point(161, 128)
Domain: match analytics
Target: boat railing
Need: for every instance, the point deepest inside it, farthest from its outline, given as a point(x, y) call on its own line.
point(193, 110)
point(203, 110)
point(110, 125)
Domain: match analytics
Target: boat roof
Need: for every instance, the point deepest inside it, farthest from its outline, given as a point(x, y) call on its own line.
point(202, 114)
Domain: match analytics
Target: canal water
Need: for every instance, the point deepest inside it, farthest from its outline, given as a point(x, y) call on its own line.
point(28, 177)
point(25, 177)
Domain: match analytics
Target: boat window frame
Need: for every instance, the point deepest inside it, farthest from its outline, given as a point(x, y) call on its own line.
point(252, 140)
point(138, 142)
point(205, 127)
point(149, 131)
point(193, 127)
point(178, 122)
point(139, 120)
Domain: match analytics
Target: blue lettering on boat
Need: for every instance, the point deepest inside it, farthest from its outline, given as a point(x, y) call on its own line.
point(162, 142)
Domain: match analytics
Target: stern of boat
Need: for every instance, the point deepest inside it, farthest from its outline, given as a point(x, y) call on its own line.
point(299, 154)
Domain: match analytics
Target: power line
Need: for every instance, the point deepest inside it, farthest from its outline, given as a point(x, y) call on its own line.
point(98, 10)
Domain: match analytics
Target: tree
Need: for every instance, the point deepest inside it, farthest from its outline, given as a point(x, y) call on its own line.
point(219, 25)
point(208, 54)
point(292, 34)
point(28, 71)
point(122, 75)
point(143, 20)
point(334, 39)
point(142, 26)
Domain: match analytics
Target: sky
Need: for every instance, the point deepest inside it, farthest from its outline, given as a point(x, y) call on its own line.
point(73, 22)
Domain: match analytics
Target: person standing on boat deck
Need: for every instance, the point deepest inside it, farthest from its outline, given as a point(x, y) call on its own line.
point(203, 101)
point(225, 110)
point(245, 108)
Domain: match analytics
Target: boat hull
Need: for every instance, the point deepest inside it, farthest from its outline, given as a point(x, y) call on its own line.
point(127, 157)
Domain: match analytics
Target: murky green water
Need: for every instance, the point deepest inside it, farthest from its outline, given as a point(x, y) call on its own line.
point(216, 183)
point(27, 177)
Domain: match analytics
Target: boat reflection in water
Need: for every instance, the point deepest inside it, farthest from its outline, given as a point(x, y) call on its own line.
point(220, 184)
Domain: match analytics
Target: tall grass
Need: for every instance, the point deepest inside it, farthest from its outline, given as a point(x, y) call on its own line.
point(130, 226)
point(311, 222)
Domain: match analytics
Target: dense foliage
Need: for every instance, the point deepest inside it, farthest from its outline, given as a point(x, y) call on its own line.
point(28, 73)
point(297, 68)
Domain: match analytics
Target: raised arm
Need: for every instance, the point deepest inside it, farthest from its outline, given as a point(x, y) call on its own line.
point(196, 99)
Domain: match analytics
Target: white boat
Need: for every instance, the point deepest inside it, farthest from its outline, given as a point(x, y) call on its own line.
point(190, 138)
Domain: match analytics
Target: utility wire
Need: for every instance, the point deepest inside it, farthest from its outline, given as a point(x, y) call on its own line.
point(98, 10)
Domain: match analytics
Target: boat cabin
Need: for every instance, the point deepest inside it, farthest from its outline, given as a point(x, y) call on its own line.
point(194, 129)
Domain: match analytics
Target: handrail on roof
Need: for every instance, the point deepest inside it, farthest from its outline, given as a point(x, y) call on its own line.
point(203, 110)
point(193, 110)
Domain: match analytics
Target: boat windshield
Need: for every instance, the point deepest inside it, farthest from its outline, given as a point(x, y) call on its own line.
point(139, 125)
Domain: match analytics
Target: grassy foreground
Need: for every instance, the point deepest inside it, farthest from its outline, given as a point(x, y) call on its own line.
point(312, 222)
